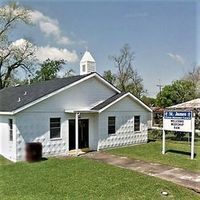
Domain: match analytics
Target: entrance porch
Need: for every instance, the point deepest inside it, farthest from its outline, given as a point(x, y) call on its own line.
point(80, 131)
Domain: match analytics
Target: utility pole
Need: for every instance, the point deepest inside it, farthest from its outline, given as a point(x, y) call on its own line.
point(160, 86)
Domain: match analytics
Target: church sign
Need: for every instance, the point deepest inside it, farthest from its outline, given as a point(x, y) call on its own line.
point(177, 121)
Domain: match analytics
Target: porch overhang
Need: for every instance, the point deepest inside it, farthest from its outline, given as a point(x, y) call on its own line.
point(81, 111)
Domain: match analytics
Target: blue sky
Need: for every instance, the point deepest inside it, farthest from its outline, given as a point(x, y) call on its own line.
point(163, 34)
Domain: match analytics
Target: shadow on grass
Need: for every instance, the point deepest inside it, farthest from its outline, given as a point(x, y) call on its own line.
point(184, 139)
point(44, 159)
point(179, 152)
point(151, 140)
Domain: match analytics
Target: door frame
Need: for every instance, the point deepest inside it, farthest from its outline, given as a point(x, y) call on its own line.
point(88, 130)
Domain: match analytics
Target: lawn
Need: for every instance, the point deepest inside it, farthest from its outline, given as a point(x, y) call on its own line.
point(79, 178)
point(4, 161)
point(178, 154)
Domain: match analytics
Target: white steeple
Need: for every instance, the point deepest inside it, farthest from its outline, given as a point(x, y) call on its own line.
point(87, 64)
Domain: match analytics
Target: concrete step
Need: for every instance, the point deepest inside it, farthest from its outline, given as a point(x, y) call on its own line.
point(80, 152)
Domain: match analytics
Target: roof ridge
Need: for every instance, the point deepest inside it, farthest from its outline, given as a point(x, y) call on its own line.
point(44, 81)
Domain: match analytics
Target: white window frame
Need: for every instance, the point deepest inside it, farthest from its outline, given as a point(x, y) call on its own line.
point(139, 124)
point(56, 138)
point(108, 125)
point(11, 130)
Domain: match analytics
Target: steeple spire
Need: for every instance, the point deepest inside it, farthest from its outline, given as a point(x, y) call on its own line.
point(87, 63)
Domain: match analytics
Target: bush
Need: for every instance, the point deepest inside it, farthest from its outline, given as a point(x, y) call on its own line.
point(155, 134)
point(179, 135)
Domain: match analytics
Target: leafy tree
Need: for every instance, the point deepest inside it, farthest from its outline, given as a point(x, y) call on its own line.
point(149, 101)
point(109, 76)
point(13, 55)
point(49, 70)
point(127, 78)
point(180, 91)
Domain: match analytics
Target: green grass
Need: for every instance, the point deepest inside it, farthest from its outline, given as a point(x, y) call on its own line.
point(4, 161)
point(79, 178)
point(152, 152)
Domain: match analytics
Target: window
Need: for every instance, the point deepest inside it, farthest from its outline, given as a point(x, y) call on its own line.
point(54, 128)
point(137, 123)
point(111, 125)
point(10, 123)
point(83, 68)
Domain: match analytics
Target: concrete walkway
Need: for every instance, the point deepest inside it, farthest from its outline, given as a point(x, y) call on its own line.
point(179, 176)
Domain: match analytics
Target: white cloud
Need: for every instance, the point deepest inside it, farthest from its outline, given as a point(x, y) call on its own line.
point(54, 53)
point(63, 40)
point(49, 26)
point(19, 43)
point(179, 59)
point(49, 29)
point(22, 45)
point(43, 52)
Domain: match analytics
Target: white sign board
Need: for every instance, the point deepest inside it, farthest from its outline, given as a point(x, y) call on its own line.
point(182, 121)
point(177, 121)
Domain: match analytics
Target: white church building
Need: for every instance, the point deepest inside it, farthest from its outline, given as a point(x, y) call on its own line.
point(64, 114)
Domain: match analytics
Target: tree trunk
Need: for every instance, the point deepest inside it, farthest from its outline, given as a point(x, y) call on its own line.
point(1, 84)
point(7, 76)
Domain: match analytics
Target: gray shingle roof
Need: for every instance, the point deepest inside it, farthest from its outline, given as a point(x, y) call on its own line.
point(108, 101)
point(28, 93)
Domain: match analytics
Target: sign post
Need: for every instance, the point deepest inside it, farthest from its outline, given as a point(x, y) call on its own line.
point(193, 135)
point(163, 148)
point(179, 121)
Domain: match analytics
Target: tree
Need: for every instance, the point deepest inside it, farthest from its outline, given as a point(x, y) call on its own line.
point(180, 91)
point(127, 78)
point(109, 76)
point(49, 70)
point(13, 55)
point(194, 77)
point(149, 101)
point(69, 72)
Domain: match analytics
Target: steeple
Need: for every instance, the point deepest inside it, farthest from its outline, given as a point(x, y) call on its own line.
point(87, 64)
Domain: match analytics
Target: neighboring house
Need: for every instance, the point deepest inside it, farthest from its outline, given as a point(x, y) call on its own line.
point(193, 105)
point(83, 111)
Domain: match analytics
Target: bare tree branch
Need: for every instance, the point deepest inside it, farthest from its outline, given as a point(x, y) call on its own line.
point(13, 55)
point(127, 78)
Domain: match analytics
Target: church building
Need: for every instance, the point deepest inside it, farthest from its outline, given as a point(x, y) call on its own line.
point(70, 114)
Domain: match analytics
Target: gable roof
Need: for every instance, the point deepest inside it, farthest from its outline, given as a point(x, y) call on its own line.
point(114, 99)
point(108, 101)
point(193, 104)
point(27, 93)
point(15, 99)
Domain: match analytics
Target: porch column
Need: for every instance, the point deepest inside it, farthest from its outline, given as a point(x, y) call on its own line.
point(76, 133)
